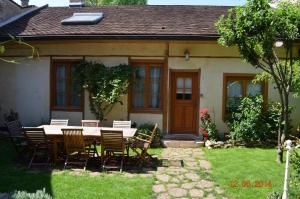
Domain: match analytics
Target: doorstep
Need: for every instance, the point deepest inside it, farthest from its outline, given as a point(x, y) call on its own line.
point(182, 141)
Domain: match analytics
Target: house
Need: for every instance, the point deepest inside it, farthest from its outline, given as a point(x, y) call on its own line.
point(174, 49)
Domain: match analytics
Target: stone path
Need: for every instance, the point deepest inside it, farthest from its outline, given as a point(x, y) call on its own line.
point(190, 181)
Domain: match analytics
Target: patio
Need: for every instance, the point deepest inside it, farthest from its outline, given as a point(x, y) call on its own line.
point(175, 173)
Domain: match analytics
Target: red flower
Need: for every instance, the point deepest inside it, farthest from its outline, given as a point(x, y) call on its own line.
point(205, 134)
point(204, 115)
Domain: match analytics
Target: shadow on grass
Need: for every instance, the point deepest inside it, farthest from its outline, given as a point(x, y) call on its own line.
point(15, 176)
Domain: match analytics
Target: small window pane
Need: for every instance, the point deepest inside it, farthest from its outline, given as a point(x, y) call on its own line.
point(154, 90)
point(75, 90)
point(139, 87)
point(60, 86)
point(234, 89)
point(188, 83)
point(253, 89)
point(179, 82)
point(234, 95)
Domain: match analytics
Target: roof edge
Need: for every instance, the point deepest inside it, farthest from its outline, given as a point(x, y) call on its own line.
point(115, 37)
point(23, 14)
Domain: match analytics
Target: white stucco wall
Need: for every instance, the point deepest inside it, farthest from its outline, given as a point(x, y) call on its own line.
point(24, 88)
point(73, 117)
point(141, 118)
point(211, 83)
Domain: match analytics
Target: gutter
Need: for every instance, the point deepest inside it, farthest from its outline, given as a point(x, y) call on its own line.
point(115, 37)
point(23, 14)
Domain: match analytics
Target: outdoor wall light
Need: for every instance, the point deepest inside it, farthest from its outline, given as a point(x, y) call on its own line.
point(278, 44)
point(187, 55)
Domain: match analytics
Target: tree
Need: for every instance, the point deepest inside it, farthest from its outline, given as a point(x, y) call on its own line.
point(258, 30)
point(115, 2)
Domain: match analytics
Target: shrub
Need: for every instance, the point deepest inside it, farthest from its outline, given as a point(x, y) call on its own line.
point(247, 124)
point(39, 194)
point(254, 123)
point(208, 128)
point(147, 129)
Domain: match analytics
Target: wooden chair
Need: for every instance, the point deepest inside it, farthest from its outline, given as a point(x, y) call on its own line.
point(38, 143)
point(75, 147)
point(141, 143)
point(17, 137)
point(94, 142)
point(90, 123)
point(59, 122)
point(112, 143)
point(121, 124)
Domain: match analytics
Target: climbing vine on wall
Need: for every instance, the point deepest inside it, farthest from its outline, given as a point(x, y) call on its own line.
point(105, 85)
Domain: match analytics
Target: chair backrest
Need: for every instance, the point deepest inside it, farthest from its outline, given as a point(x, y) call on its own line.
point(14, 128)
point(121, 124)
point(112, 140)
point(59, 122)
point(35, 136)
point(153, 133)
point(73, 140)
point(148, 139)
point(90, 123)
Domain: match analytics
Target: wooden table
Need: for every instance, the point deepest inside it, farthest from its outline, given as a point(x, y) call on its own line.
point(54, 133)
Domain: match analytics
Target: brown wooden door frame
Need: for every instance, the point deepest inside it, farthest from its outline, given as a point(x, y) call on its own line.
point(195, 90)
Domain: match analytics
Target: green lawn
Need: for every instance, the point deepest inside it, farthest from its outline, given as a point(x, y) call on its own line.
point(234, 168)
point(64, 185)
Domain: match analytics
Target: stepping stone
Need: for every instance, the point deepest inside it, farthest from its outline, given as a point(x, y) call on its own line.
point(177, 192)
point(158, 188)
point(219, 190)
point(191, 164)
point(192, 176)
point(163, 178)
point(171, 186)
point(205, 184)
point(163, 196)
point(205, 164)
point(188, 185)
point(196, 193)
point(175, 180)
point(210, 196)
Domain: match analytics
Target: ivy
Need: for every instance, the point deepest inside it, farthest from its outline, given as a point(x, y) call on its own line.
point(106, 85)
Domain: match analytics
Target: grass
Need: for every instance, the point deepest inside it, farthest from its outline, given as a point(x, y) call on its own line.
point(65, 185)
point(236, 166)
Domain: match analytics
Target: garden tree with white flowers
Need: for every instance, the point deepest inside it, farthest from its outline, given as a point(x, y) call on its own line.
point(257, 29)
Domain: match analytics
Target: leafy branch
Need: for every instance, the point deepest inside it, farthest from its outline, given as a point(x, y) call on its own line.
point(105, 84)
point(17, 41)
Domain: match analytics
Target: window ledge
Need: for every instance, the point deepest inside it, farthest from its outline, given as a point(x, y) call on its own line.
point(67, 109)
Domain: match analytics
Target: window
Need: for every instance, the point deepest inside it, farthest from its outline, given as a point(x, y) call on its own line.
point(238, 86)
point(66, 92)
point(184, 88)
point(146, 90)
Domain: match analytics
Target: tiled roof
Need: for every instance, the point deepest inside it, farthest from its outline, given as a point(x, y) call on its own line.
point(145, 21)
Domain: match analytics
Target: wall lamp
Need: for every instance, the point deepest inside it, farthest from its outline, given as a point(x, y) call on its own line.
point(187, 55)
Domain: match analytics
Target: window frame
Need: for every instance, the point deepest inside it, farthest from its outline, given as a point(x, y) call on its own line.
point(244, 77)
point(68, 107)
point(147, 63)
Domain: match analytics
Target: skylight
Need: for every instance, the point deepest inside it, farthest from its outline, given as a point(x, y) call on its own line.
point(83, 18)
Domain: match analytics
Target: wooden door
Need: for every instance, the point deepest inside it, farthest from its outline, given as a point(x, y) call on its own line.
point(184, 102)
